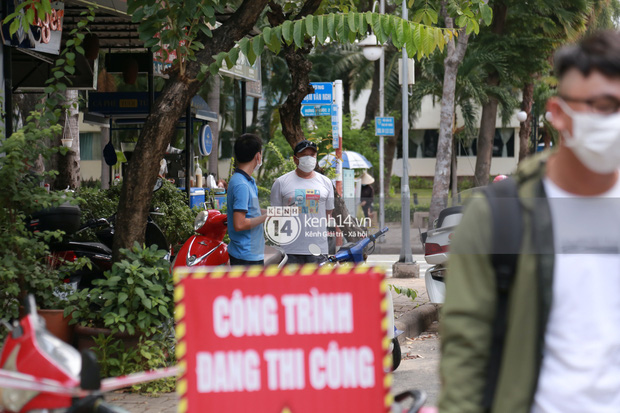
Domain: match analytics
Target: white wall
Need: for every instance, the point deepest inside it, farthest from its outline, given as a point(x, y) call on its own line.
point(429, 119)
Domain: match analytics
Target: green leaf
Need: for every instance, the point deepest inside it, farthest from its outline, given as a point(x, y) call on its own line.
point(432, 16)
point(416, 37)
point(400, 31)
point(58, 74)
point(233, 55)
point(309, 21)
point(340, 26)
point(321, 34)
point(369, 17)
point(30, 16)
point(122, 297)
point(418, 16)
point(331, 25)
point(352, 22)
point(428, 41)
point(487, 13)
point(410, 45)
point(298, 33)
point(361, 23)
point(244, 45)
point(258, 45)
point(386, 24)
point(267, 35)
point(276, 40)
point(377, 28)
point(287, 31)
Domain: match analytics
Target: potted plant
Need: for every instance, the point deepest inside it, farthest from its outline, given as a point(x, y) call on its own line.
point(25, 266)
point(135, 298)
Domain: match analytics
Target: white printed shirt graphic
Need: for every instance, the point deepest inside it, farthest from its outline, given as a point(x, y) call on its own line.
point(314, 197)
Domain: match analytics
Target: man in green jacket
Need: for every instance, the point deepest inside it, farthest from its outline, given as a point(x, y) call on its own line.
point(561, 351)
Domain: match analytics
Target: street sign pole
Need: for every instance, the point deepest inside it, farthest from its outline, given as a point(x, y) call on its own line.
point(338, 101)
point(381, 138)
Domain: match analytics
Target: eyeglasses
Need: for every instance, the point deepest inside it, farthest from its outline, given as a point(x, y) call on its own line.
point(604, 105)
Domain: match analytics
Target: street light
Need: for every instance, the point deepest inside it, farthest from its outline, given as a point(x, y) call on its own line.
point(372, 51)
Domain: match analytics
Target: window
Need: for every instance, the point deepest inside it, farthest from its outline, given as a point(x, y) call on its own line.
point(90, 147)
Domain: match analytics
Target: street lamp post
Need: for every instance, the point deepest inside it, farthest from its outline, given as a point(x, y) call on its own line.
point(405, 251)
point(373, 51)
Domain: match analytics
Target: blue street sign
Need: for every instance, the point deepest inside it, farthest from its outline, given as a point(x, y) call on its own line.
point(335, 129)
point(384, 126)
point(322, 94)
point(314, 110)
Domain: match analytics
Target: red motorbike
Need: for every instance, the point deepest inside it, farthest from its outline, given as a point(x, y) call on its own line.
point(39, 372)
point(207, 246)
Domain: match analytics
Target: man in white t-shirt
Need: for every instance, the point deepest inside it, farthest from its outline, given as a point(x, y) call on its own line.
point(561, 347)
point(313, 195)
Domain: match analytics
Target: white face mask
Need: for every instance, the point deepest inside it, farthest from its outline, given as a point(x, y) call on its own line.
point(307, 163)
point(258, 165)
point(595, 140)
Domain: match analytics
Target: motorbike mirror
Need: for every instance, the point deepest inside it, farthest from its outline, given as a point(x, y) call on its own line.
point(30, 304)
point(158, 184)
point(90, 377)
point(314, 250)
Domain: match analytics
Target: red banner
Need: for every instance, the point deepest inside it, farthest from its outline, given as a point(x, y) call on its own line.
point(306, 339)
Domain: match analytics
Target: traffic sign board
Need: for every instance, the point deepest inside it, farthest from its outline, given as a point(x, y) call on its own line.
point(384, 126)
point(315, 110)
point(322, 94)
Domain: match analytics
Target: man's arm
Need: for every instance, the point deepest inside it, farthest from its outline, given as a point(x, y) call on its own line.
point(468, 313)
point(243, 223)
point(276, 194)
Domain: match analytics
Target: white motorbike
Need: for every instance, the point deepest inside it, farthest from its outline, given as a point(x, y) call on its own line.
point(436, 245)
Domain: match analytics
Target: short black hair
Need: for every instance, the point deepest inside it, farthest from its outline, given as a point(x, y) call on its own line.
point(247, 146)
point(597, 52)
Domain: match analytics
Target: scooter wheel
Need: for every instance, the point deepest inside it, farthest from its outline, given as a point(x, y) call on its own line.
point(396, 354)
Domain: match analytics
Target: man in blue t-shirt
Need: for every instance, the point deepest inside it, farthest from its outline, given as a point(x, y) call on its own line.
point(245, 221)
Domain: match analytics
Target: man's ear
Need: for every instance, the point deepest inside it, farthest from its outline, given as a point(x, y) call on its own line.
point(559, 119)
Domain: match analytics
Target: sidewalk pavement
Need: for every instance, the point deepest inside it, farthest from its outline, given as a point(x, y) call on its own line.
point(411, 316)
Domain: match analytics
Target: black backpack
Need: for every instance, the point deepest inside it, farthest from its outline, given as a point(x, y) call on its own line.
point(507, 235)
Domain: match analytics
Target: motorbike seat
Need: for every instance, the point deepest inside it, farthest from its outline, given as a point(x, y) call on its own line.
point(273, 255)
point(446, 212)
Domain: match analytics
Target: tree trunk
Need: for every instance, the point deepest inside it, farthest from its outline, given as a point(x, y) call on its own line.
point(346, 91)
point(526, 127)
point(290, 111)
point(373, 100)
point(454, 174)
point(69, 164)
point(486, 136)
point(160, 125)
point(213, 100)
point(454, 57)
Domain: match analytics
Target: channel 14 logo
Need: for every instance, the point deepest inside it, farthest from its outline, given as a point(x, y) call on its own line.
point(282, 226)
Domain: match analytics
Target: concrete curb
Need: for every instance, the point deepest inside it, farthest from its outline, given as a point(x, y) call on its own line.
point(416, 321)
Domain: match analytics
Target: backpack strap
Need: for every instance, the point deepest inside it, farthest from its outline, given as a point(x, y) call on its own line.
point(507, 234)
